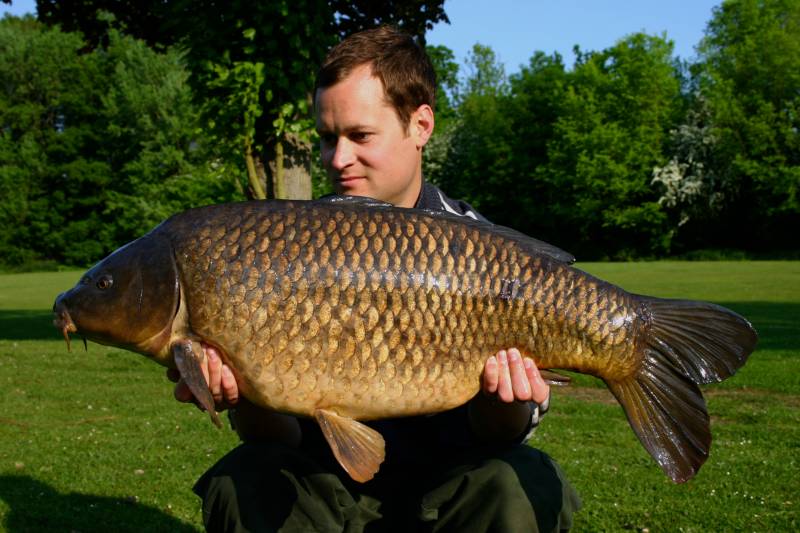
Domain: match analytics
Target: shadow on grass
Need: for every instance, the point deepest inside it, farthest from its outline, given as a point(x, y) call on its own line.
point(36, 506)
point(17, 324)
point(776, 323)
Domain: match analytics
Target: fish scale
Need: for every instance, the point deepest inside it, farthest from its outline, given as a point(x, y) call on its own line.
point(347, 309)
point(441, 310)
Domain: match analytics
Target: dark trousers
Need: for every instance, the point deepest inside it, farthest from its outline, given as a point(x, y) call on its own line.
point(270, 487)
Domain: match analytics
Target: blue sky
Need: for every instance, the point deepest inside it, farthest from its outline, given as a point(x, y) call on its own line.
point(516, 28)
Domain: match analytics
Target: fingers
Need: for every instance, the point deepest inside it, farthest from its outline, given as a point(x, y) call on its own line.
point(490, 370)
point(230, 390)
point(214, 376)
point(220, 379)
point(497, 377)
point(519, 379)
point(505, 389)
point(512, 377)
point(540, 390)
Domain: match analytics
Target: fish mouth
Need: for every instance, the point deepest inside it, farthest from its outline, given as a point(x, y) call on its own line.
point(64, 322)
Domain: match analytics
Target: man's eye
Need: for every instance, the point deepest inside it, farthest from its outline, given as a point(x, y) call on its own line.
point(360, 136)
point(328, 139)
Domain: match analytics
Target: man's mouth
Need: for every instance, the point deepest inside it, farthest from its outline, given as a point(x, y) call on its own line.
point(349, 179)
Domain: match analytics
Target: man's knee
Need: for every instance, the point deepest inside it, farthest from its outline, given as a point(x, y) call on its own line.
point(487, 497)
point(246, 490)
point(545, 486)
point(267, 487)
point(525, 489)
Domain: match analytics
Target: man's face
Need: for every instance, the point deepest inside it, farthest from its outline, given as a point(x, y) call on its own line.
point(365, 149)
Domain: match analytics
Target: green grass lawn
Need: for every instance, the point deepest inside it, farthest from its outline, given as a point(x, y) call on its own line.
point(94, 441)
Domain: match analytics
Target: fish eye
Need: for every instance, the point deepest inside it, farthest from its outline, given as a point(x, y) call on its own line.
point(105, 282)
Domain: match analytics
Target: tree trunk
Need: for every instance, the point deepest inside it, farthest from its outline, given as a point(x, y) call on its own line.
point(291, 169)
point(256, 185)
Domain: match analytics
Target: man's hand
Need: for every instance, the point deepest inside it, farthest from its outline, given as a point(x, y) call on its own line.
point(219, 377)
point(510, 377)
point(513, 381)
point(252, 423)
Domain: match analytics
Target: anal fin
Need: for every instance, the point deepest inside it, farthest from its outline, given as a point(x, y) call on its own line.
point(358, 448)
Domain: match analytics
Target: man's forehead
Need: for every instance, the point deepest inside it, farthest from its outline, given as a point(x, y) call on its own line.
point(350, 106)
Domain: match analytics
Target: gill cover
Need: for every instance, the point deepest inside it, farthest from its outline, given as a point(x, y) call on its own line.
point(129, 298)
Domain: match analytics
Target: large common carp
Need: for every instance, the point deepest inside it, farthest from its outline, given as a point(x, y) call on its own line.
point(348, 309)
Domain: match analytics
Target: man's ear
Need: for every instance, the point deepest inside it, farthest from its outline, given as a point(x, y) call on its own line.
point(421, 125)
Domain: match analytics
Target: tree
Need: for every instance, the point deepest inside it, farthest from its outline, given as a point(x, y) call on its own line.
point(94, 148)
point(437, 150)
point(537, 93)
point(446, 69)
point(692, 191)
point(253, 66)
point(141, 18)
point(46, 107)
point(474, 163)
point(414, 17)
point(250, 71)
point(613, 122)
point(749, 74)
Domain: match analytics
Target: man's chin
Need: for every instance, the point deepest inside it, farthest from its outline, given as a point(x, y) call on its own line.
point(357, 187)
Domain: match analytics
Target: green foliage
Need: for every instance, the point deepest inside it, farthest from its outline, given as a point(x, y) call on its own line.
point(609, 135)
point(153, 139)
point(749, 72)
point(568, 156)
point(250, 68)
point(476, 139)
point(47, 103)
point(141, 18)
point(446, 69)
point(414, 17)
point(621, 156)
point(94, 148)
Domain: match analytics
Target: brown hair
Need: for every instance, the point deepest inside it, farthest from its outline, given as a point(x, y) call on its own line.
point(403, 67)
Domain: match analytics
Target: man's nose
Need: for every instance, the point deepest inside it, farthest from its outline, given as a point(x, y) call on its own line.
point(343, 155)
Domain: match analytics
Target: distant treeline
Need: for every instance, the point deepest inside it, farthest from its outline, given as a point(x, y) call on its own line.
point(628, 153)
point(632, 153)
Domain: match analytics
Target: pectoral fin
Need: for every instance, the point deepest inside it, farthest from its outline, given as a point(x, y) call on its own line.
point(358, 448)
point(189, 364)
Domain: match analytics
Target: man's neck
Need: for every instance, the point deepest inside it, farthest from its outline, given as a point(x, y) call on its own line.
point(411, 196)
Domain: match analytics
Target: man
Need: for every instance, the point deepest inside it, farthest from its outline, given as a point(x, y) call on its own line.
point(463, 470)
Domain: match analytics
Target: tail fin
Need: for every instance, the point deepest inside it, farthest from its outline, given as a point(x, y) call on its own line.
point(688, 343)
